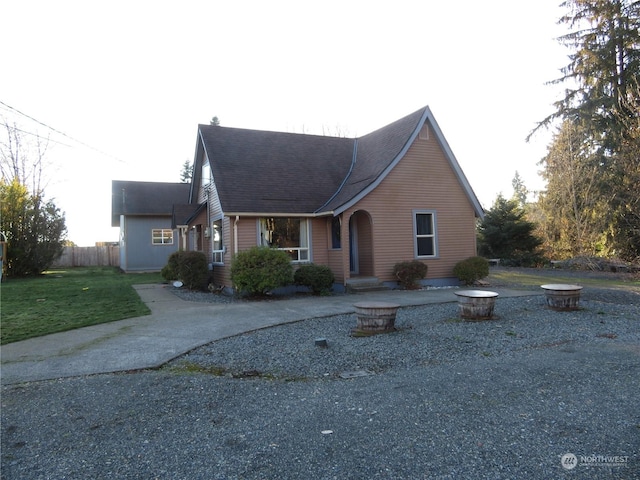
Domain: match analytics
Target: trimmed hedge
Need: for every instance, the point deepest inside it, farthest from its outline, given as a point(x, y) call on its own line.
point(188, 267)
point(410, 273)
point(260, 270)
point(471, 269)
point(318, 278)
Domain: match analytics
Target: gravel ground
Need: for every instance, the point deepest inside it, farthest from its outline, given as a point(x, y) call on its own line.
point(438, 398)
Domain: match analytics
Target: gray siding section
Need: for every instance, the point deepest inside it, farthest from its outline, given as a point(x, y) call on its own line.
point(137, 253)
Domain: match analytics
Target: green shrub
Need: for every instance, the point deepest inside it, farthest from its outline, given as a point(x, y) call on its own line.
point(170, 271)
point(409, 273)
point(318, 278)
point(471, 269)
point(189, 267)
point(194, 270)
point(259, 270)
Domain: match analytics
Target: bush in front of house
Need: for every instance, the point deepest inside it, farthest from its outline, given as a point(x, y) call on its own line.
point(259, 270)
point(318, 278)
point(170, 271)
point(188, 267)
point(471, 269)
point(410, 273)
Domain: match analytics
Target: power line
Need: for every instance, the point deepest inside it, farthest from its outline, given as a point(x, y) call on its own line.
point(40, 136)
point(61, 133)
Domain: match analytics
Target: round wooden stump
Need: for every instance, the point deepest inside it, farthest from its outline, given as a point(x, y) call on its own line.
point(562, 297)
point(374, 317)
point(476, 304)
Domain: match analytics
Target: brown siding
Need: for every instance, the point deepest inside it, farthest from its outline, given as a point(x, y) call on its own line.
point(334, 261)
point(320, 231)
point(365, 246)
point(422, 180)
point(247, 232)
point(323, 252)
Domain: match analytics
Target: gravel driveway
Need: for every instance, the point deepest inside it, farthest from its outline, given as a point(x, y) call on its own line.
point(439, 398)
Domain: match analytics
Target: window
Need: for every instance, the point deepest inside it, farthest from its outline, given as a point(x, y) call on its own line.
point(336, 223)
point(206, 173)
point(162, 236)
point(216, 242)
point(425, 234)
point(288, 234)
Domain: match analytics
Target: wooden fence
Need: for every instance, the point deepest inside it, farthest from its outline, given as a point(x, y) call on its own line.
point(104, 256)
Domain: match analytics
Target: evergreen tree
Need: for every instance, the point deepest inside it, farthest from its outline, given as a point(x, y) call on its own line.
point(187, 172)
point(604, 67)
point(504, 233)
point(602, 105)
point(520, 191)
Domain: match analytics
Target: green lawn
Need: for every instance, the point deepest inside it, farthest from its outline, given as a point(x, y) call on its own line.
point(532, 277)
point(62, 300)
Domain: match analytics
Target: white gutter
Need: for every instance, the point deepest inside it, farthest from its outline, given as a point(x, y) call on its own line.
point(277, 214)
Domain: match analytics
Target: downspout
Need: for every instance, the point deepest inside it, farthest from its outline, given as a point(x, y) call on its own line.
point(235, 235)
point(208, 227)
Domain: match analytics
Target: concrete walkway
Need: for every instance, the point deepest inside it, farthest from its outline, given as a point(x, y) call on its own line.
point(176, 327)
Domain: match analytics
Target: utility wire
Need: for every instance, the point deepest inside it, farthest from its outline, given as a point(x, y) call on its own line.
point(61, 133)
point(40, 136)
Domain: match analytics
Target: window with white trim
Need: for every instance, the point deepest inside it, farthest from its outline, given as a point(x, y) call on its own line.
point(206, 173)
point(161, 236)
point(424, 223)
point(216, 242)
point(288, 234)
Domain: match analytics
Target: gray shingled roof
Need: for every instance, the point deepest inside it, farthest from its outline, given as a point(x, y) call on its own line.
point(376, 152)
point(145, 198)
point(273, 172)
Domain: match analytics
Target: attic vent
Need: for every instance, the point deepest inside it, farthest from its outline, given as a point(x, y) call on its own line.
point(424, 132)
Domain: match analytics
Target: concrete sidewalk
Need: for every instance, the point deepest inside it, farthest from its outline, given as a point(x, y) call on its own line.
point(176, 327)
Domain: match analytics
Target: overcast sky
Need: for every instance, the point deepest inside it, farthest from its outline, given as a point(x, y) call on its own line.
point(125, 83)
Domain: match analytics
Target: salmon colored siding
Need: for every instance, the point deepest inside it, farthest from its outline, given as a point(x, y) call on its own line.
point(422, 180)
point(320, 240)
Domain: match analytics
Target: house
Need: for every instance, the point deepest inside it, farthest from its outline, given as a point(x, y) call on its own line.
point(358, 205)
point(144, 212)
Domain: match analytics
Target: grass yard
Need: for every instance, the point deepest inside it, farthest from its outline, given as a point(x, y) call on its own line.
point(61, 300)
point(533, 278)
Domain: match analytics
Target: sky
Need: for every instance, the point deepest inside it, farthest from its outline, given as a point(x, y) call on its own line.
point(120, 87)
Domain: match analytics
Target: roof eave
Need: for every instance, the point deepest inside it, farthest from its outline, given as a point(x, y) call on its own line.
point(277, 214)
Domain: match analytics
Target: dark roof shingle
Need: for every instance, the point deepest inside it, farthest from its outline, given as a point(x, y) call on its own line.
point(273, 172)
point(145, 198)
point(264, 172)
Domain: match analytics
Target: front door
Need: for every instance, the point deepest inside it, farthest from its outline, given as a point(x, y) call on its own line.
point(354, 264)
point(361, 244)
